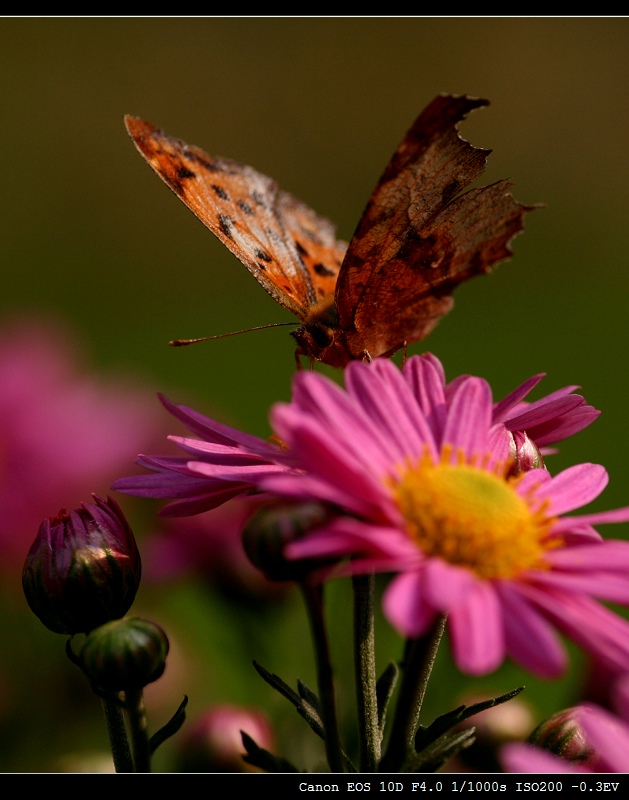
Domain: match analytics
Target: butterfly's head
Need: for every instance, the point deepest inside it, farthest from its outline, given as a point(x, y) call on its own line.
point(318, 338)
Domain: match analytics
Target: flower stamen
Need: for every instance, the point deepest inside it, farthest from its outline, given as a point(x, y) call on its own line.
point(471, 515)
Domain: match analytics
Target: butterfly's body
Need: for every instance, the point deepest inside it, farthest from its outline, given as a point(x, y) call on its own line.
point(418, 238)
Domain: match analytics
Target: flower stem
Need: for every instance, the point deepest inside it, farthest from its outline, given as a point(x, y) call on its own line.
point(365, 672)
point(136, 713)
point(118, 741)
point(313, 597)
point(419, 658)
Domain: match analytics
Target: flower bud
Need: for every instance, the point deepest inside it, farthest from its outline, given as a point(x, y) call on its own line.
point(124, 654)
point(83, 569)
point(524, 453)
point(272, 527)
point(563, 735)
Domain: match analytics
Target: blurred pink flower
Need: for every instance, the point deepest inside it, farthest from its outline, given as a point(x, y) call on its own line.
point(65, 431)
point(210, 547)
point(213, 743)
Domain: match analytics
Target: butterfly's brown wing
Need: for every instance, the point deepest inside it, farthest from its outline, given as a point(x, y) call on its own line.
point(419, 238)
point(290, 250)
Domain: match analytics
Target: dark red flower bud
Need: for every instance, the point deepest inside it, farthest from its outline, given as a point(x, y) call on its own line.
point(124, 654)
point(83, 569)
point(525, 453)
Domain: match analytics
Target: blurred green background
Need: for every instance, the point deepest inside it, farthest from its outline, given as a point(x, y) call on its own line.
point(90, 234)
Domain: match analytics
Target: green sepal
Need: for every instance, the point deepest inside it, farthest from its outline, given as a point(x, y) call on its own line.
point(426, 735)
point(170, 728)
point(261, 758)
point(435, 755)
point(306, 703)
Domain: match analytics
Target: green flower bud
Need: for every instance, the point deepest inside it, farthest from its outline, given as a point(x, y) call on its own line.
point(563, 735)
point(272, 527)
point(83, 569)
point(124, 654)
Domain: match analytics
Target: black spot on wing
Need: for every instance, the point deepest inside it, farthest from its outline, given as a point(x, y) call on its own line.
point(176, 178)
point(245, 208)
point(203, 161)
point(226, 223)
point(220, 192)
point(183, 173)
point(324, 271)
point(263, 256)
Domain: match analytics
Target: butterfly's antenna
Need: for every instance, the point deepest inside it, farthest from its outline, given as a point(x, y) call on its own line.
point(182, 342)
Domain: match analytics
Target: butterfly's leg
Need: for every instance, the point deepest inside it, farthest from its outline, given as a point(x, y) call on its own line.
point(367, 356)
point(298, 354)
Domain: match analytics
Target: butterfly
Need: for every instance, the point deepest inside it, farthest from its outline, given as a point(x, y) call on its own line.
point(419, 237)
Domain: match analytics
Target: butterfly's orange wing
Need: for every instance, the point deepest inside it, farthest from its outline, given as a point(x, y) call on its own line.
point(419, 237)
point(290, 250)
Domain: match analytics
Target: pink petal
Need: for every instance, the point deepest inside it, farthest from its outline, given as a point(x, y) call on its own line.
point(211, 430)
point(446, 585)
point(390, 404)
point(350, 491)
point(405, 607)
point(530, 639)
point(245, 473)
point(341, 422)
point(476, 631)
point(574, 487)
point(589, 624)
point(558, 429)
point(427, 383)
point(611, 555)
point(601, 518)
point(609, 737)
point(537, 414)
point(220, 453)
point(198, 504)
point(469, 418)
point(524, 758)
point(504, 406)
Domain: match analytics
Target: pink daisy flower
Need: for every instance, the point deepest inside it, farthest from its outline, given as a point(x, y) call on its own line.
point(223, 462)
point(422, 471)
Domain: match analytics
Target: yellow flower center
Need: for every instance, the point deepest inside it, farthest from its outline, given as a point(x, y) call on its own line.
point(472, 517)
